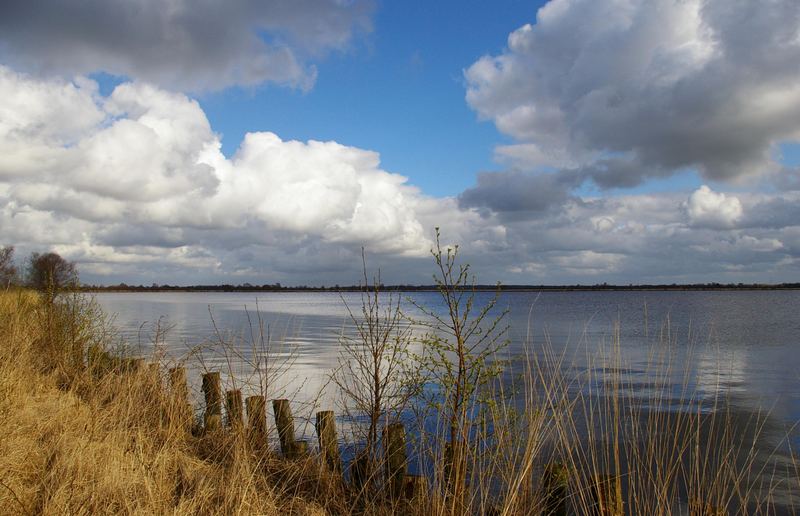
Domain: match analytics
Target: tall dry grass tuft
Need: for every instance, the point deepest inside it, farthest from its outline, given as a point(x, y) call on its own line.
point(110, 437)
point(645, 439)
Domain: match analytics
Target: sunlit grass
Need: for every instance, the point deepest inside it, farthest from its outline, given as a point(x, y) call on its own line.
point(79, 440)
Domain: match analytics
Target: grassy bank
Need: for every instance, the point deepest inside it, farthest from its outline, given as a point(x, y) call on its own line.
point(75, 442)
point(112, 436)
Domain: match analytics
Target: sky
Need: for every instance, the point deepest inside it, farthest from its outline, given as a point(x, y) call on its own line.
point(556, 142)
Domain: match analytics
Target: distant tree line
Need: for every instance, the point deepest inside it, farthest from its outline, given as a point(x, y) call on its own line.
point(49, 272)
point(46, 272)
point(277, 287)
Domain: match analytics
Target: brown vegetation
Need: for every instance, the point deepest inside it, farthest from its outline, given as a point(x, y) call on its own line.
point(84, 431)
point(86, 440)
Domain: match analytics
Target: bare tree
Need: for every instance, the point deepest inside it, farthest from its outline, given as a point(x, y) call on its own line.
point(8, 272)
point(374, 376)
point(51, 273)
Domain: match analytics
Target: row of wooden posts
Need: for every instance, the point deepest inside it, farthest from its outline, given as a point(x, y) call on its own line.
point(403, 484)
point(606, 492)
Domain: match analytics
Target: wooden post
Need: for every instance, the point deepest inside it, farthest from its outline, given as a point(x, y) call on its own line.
point(177, 384)
point(328, 443)
point(395, 446)
point(257, 421)
point(285, 424)
point(212, 391)
point(299, 449)
point(234, 410)
point(607, 494)
point(181, 410)
point(415, 487)
point(554, 486)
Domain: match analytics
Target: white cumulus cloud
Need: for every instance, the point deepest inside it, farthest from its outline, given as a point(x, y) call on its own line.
point(143, 167)
point(708, 208)
point(625, 90)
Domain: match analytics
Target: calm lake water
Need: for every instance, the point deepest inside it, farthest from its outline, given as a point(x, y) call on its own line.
point(742, 345)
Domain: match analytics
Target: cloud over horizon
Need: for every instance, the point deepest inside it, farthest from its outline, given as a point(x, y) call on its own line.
point(147, 158)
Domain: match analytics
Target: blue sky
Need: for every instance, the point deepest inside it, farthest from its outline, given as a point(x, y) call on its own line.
point(399, 90)
point(400, 87)
point(560, 141)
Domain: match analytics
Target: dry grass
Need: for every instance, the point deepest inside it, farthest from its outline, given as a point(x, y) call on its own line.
point(674, 449)
point(76, 441)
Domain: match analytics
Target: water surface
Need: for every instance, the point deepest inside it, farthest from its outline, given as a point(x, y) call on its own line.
point(739, 345)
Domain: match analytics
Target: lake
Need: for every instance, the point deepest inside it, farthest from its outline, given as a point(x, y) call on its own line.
point(742, 345)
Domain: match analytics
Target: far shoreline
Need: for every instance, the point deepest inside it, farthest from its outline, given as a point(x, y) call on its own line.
point(706, 287)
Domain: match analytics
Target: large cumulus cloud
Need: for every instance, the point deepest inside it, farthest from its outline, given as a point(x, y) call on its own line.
point(599, 97)
point(627, 90)
point(181, 44)
point(142, 169)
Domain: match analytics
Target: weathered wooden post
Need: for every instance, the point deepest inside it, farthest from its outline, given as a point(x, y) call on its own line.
point(395, 447)
point(555, 484)
point(328, 443)
point(607, 495)
point(181, 410)
point(177, 384)
point(257, 421)
point(285, 424)
point(299, 449)
point(212, 391)
point(234, 409)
